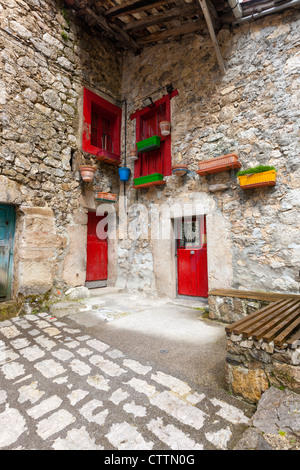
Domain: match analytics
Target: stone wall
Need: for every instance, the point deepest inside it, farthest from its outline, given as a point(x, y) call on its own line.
point(46, 58)
point(253, 366)
point(253, 111)
point(231, 309)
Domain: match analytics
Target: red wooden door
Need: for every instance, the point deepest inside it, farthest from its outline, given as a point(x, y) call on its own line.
point(192, 276)
point(96, 265)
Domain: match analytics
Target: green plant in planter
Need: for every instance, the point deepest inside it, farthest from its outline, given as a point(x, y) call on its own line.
point(257, 176)
point(255, 169)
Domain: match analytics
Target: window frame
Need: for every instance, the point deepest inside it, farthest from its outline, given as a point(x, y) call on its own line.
point(106, 110)
point(201, 231)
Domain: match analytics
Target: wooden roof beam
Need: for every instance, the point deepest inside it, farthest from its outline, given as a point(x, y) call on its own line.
point(212, 33)
point(214, 15)
point(161, 18)
point(132, 6)
point(115, 31)
point(194, 27)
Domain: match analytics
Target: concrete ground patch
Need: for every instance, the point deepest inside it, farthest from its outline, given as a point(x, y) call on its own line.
point(65, 383)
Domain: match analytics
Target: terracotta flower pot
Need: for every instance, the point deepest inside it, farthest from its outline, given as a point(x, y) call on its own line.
point(165, 127)
point(87, 172)
point(133, 153)
point(179, 170)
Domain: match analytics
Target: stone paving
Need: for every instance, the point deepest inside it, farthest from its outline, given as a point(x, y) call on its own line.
point(62, 389)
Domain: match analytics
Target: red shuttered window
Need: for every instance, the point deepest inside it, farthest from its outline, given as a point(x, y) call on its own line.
point(147, 125)
point(101, 128)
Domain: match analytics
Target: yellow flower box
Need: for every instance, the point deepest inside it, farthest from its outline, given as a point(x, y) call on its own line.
point(256, 180)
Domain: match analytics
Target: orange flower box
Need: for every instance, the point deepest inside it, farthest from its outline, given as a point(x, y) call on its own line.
point(106, 197)
point(218, 164)
point(108, 157)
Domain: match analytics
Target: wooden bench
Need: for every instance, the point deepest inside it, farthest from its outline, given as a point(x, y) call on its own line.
point(278, 322)
point(253, 295)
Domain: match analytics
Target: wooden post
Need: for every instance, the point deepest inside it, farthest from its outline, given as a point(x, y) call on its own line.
point(212, 33)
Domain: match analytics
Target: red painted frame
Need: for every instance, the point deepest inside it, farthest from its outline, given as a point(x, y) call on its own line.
point(156, 155)
point(110, 110)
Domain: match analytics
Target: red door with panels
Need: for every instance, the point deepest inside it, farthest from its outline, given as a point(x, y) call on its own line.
point(192, 276)
point(96, 266)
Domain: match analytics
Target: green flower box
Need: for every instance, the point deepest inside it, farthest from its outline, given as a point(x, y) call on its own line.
point(146, 145)
point(148, 179)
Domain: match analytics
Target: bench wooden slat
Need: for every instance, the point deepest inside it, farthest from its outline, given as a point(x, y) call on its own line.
point(277, 321)
point(268, 316)
point(281, 315)
point(264, 313)
point(238, 326)
point(280, 339)
point(255, 295)
point(274, 327)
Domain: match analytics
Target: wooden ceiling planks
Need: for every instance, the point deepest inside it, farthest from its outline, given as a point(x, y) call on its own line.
point(134, 24)
point(133, 6)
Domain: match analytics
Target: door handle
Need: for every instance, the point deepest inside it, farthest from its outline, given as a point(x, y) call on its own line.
point(192, 252)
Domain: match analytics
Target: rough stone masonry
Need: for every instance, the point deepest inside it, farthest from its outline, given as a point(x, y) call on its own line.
point(47, 57)
point(253, 237)
point(45, 61)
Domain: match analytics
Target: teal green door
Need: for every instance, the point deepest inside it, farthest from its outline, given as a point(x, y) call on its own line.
point(7, 232)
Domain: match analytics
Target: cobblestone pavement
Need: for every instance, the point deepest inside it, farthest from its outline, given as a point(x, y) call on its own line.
point(63, 389)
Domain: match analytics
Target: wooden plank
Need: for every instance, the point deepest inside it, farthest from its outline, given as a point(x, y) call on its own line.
point(264, 320)
point(132, 5)
point(212, 33)
point(160, 18)
point(246, 320)
point(213, 15)
point(262, 313)
point(274, 326)
point(193, 27)
point(282, 337)
point(251, 324)
point(153, 8)
point(117, 32)
point(254, 295)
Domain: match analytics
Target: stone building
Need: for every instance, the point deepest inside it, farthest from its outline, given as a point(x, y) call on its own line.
point(70, 68)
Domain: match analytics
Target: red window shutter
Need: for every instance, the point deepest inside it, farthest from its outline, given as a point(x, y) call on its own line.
point(147, 124)
point(101, 125)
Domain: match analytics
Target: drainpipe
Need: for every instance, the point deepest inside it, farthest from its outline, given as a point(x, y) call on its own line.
point(275, 9)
